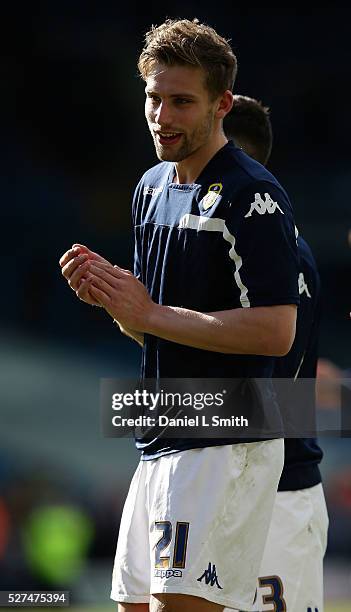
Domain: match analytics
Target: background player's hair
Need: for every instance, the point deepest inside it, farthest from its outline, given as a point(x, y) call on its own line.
point(185, 42)
point(248, 123)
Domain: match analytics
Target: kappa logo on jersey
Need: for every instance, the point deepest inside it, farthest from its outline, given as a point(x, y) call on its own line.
point(263, 206)
point(210, 576)
point(303, 285)
point(310, 610)
point(211, 196)
point(148, 190)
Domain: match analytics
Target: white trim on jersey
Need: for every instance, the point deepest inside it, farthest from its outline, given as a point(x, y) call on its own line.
point(210, 224)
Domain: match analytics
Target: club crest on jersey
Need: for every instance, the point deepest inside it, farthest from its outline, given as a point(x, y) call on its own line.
point(263, 206)
point(303, 285)
point(211, 196)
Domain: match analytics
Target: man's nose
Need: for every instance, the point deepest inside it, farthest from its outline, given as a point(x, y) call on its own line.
point(163, 114)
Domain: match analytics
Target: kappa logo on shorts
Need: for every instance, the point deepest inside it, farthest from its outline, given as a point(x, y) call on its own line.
point(263, 206)
point(168, 573)
point(210, 576)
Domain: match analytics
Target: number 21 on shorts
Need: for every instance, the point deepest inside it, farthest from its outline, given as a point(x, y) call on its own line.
point(180, 545)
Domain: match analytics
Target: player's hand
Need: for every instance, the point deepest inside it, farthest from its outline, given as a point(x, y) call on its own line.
point(74, 268)
point(122, 295)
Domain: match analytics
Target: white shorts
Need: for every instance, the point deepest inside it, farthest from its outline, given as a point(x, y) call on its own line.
point(291, 573)
point(196, 522)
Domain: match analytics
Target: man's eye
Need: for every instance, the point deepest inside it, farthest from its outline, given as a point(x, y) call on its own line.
point(155, 99)
point(182, 101)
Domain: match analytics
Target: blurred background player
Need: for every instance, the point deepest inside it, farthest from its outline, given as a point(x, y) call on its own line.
point(291, 575)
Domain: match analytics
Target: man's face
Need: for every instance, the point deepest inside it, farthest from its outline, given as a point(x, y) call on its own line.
point(178, 110)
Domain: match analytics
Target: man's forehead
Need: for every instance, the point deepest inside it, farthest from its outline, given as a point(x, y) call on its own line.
point(176, 79)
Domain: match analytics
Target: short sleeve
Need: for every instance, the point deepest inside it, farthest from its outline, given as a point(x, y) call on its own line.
point(265, 245)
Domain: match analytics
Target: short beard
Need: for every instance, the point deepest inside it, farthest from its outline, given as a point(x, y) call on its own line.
point(190, 144)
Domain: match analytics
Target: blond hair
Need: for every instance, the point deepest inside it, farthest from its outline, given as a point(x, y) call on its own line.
point(185, 42)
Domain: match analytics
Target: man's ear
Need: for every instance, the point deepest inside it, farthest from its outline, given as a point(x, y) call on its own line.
point(225, 104)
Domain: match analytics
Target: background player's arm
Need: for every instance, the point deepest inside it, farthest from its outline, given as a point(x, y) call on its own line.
point(264, 330)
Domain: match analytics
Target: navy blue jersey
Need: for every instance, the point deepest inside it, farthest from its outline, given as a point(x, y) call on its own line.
point(302, 455)
point(227, 241)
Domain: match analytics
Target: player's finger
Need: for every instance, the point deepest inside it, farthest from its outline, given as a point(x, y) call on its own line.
point(84, 249)
point(104, 283)
point(102, 297)
point(75, 279)
point(66, 257)
point(128, 272)
point(72, 264)
point(84, 295)
point(115, 270)
point(106, 272)
point(81, 247)
point(83, 292)
point(92, 254)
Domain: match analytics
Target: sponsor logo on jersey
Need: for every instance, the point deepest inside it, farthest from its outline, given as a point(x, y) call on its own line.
point(168, 573)
point(303, 285)
point(148, 190)
point(263, 206)
point(210, 576)
point(212, 195)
